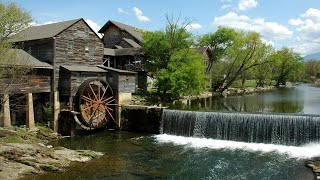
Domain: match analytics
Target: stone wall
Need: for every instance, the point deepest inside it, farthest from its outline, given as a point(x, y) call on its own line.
point(145, 119)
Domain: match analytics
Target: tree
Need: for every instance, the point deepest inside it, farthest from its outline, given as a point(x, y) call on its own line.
point(263, 73)
point(312, 70)
point(12, 20)
point(178, 69)
point(288, 66)
point(246, 51)
point(218, 42)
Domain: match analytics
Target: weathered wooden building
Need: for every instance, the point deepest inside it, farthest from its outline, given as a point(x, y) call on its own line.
point(72, 51)
point(116, 34)
point(123, 49)
point(64, 43)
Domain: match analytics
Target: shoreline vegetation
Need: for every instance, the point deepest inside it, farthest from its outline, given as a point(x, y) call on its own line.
point(26, 152)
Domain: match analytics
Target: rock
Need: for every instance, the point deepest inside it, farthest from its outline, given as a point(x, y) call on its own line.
point(315, 166)
point(17, 159)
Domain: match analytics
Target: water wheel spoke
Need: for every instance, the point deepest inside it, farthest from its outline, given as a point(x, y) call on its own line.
point(104, 92)
point(107, 103)
point(87, 99)
point(111, 115)
point(88, 93)
point(93, 91)
point(93, 113)
point(99, 90)
point(107, 99)
point(109, 108)
point(87, 107)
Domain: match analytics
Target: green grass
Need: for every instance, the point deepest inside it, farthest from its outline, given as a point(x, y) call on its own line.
point(12, 139)
point(248, 83)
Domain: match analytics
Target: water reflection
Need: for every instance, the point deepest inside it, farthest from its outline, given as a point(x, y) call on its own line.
point(296, 99)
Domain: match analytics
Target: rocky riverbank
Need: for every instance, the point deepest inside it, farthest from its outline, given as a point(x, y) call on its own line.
point(314, 164)
point(25, 153)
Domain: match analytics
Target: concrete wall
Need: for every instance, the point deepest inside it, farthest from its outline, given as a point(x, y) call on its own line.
point(144, 119)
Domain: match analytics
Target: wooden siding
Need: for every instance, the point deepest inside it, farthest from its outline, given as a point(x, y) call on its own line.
point(78, 78)
point(71, 81)
point(122, 82)
point(40, 49)
point(77, 45)
point(114, 35)
point(37, 81)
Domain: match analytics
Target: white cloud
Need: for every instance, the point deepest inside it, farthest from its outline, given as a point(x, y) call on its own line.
point(308, 28)
point(193, 26)
point(312, 14)
point(295, 22)
point(139, 15)
point(94, 26)
point(226, 6)
point(247, 4)
point(271, 31)
point(120, 10)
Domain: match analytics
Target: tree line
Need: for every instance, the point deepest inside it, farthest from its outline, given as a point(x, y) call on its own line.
point(236, 56)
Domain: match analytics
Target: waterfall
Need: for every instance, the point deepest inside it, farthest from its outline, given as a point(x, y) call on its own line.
point(287, 129)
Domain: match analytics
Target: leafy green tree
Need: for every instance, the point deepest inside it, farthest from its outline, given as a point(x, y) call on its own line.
point(246, 51)
point(288, 66)
point(312, 70)
point(218, 42)
point(12, 20)
point(179, 70)
point(184, 74)
point(159, 46)
point(263, 73)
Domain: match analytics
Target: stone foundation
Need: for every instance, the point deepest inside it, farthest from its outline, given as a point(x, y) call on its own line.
point(145, 119)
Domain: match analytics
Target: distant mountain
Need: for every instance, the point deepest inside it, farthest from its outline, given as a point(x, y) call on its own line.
point(315, 56)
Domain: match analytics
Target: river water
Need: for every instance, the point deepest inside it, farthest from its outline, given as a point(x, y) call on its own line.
point(138, 156)
point(303, 99)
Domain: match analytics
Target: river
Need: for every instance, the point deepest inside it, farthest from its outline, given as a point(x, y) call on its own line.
point(138, 156)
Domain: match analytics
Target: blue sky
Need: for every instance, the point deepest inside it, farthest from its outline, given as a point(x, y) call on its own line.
point(292, 23)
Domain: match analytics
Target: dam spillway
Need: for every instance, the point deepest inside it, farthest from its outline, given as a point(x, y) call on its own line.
point(285, 129)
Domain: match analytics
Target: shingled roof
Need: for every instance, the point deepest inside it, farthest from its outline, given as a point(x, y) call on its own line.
point(131, 43)
point(43, 31)
point(18, 57)
point(135, 32)
point(122, 52)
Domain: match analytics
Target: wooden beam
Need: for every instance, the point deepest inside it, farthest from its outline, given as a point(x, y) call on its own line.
point(6, 111)
point(30, 112)
point(56, 110)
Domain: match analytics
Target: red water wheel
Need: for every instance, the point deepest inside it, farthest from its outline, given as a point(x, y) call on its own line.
point(96, 103)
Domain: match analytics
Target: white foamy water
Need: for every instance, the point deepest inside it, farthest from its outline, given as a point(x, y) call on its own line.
point(300, 152)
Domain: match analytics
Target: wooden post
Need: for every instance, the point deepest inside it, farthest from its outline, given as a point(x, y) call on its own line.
point(56, 110)
point(118, 109)
point(6, 111)
point(30, 112)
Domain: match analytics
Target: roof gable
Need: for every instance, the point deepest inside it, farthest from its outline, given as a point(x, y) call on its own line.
point(43, 31)
point(135, 32)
